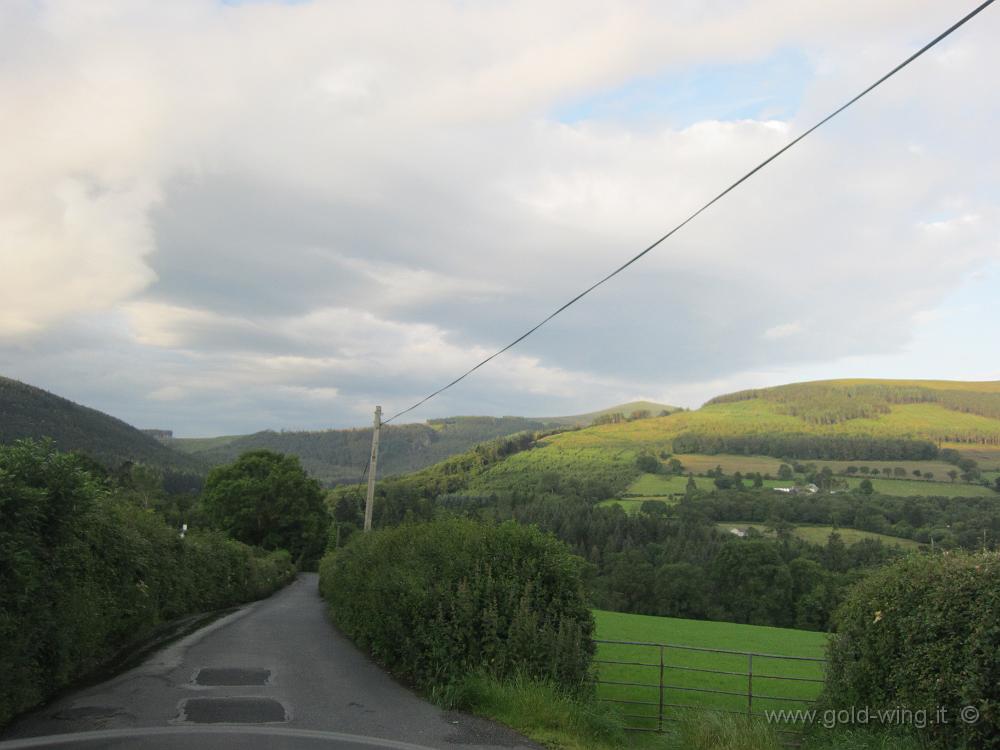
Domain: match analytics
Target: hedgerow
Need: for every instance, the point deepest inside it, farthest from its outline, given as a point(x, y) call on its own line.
point(435, 601)
point(924, 634)
point(83, 573)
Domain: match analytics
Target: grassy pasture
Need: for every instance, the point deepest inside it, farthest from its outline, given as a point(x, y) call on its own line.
point(681, 666)
point(819, 534)
point(658, 486)
point(924, 488)
point(698, 463)
point(987, 456)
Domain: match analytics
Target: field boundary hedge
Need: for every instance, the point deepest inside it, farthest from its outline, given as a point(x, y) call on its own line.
point(433, 602)
point(84, 574)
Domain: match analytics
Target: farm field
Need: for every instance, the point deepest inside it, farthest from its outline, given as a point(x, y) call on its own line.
point(685, 685)
point(697, 463)
point(819, 534)
point(924, 488)
point(987, 456)
point(660, 486)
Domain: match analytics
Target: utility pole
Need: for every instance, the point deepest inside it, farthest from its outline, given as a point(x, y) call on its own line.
point(372, 466)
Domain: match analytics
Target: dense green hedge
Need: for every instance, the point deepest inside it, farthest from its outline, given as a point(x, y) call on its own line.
point(84, 573)
point(924, 633)
point(435, 601)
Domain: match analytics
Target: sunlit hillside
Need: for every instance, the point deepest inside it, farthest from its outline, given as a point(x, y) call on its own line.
point(967, 414)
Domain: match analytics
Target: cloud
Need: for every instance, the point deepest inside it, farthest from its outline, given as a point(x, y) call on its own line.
point(784, 330)
point(265, 206)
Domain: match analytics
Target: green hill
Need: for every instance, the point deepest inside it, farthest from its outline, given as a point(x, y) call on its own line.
point(339, 456)
point(888, 422)
point(29, 412)
point(940, 412)
point(619, 413)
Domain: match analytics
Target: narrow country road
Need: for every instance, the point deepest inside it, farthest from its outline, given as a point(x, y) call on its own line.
point(278, 662)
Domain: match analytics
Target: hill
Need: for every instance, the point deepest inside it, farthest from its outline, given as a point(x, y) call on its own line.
point(339, 456)
point(890, 422)
point(29, 412)
point(619, 413)
point(865, 411)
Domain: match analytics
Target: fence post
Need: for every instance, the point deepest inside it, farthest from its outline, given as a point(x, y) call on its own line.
point(659, 720)
point(749, 684)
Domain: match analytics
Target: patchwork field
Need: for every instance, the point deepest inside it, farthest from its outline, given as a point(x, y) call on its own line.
point(819, 534)
point(668, 487)
point(686, 676)
point(697, 463)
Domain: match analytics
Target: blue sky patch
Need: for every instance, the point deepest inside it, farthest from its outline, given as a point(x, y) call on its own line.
point(767, 89)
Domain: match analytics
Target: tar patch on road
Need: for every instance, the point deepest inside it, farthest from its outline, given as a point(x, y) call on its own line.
point(232, 711)
point(232, 676)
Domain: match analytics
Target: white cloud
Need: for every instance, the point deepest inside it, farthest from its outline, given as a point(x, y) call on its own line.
point(375, 195)
point(784, 330)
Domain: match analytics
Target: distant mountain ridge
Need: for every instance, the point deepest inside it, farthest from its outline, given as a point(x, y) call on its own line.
point(338, 456)
point(332, 456)
point(30, 412)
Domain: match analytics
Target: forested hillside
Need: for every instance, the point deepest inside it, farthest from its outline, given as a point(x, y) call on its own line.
point(338, 456)
point(29, 412)
point(864, 419)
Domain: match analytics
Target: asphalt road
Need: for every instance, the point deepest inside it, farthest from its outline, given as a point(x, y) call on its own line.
point(278, 665)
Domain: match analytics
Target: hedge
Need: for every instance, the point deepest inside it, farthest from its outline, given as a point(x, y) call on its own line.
point(924, 634)
point(84, 574)
point(433, 602)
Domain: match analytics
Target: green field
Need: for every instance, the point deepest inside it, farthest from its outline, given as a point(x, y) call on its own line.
point(923, 488)
point(670, 487)
point(819, 534)
point(962, 415)
point(686, 683)
point(697, 463)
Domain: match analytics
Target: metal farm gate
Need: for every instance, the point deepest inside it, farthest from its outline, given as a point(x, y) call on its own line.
point(655, 681)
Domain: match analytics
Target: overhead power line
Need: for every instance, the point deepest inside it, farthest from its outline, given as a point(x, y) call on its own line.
point(940, 37)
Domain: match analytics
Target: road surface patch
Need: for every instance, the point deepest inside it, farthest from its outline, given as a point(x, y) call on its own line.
point(232, 676)
point(232, 711)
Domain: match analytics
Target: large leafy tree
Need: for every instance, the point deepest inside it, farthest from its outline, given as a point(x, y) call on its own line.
point(267, 499)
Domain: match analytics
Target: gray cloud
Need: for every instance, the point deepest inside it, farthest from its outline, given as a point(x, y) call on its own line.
point(277, 215)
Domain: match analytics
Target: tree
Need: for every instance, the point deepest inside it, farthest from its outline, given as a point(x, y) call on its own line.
point(866, 487)
point(675, 466)
point(690, 488)
point(953, 474)
point(266, 499)
point(654, 507)
point(648, 464)
point(785, 472)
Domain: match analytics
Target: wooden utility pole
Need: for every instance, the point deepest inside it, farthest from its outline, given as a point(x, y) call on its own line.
point(372, 466)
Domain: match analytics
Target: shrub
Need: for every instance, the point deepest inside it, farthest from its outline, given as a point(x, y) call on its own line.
point(84, 574)
point(924, 633)
point(435, 601)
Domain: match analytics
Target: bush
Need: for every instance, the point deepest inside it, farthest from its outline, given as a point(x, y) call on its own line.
point(924, 633)
point(84, 574)
point(436, 601)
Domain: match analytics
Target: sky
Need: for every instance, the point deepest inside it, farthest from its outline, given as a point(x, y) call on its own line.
point(222, 217)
